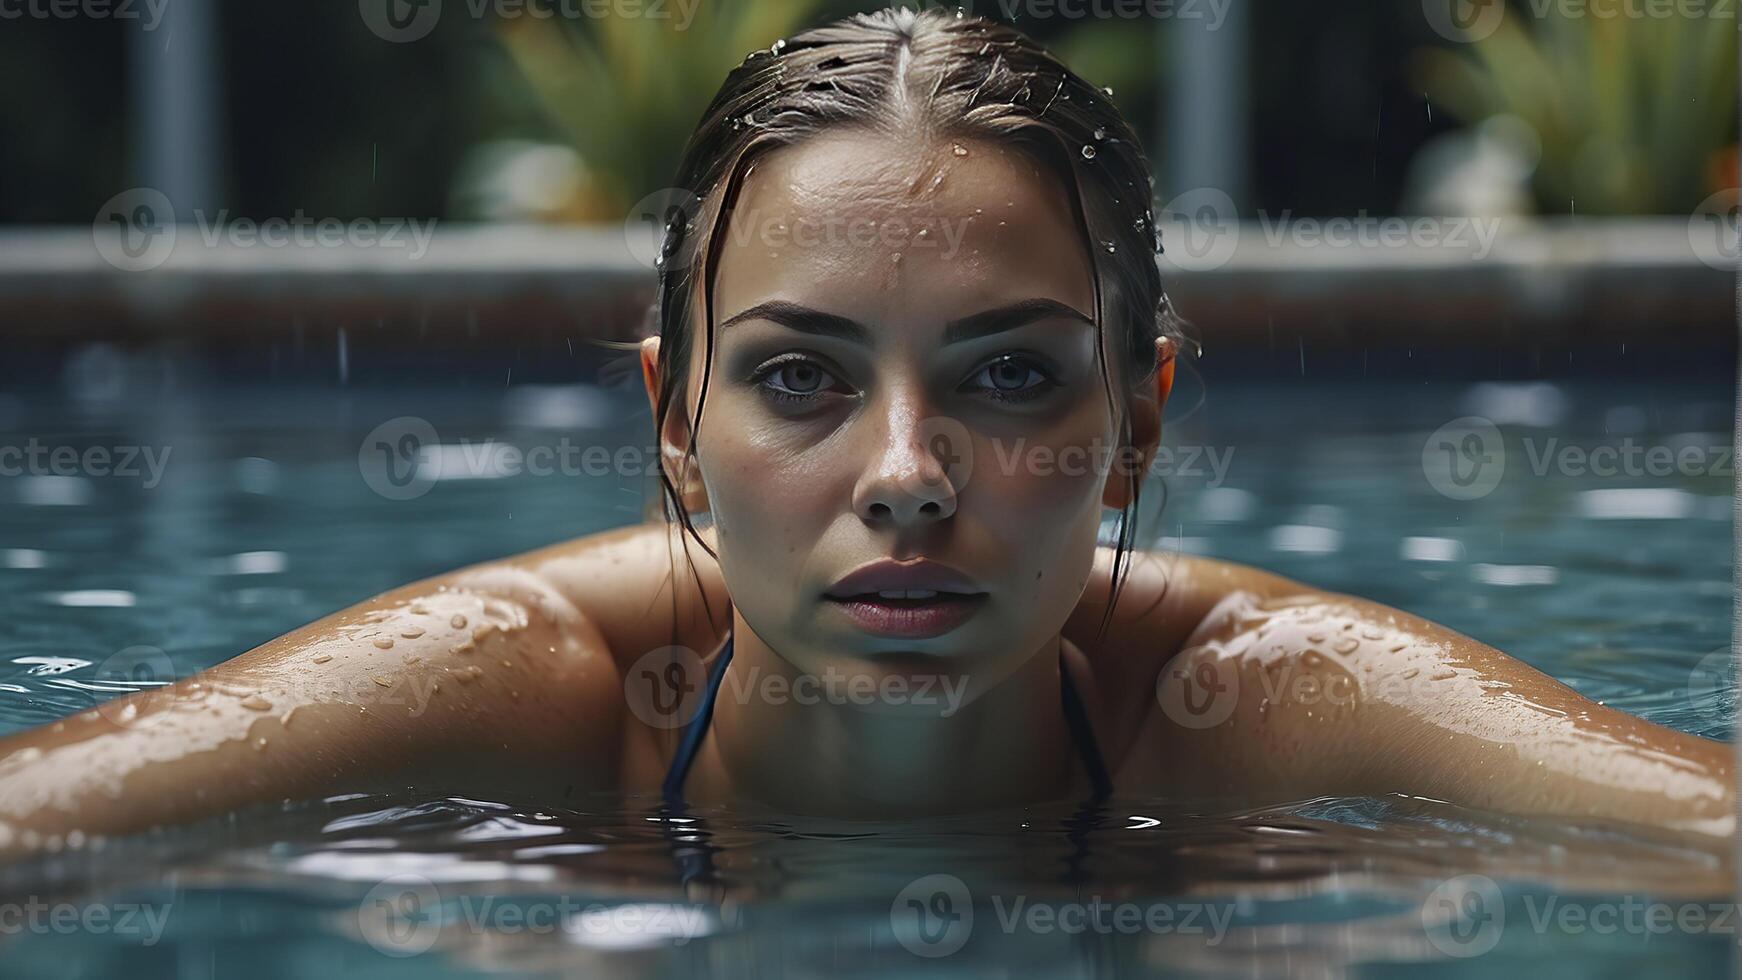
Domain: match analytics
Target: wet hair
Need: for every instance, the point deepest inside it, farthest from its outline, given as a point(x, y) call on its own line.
point(936, 75)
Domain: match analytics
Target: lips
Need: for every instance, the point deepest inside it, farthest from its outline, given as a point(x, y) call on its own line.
point(911, 600)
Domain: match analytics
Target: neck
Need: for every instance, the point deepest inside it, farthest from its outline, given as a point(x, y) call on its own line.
point(839, 744)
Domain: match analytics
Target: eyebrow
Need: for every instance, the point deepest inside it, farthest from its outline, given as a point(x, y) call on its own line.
point(796, 316)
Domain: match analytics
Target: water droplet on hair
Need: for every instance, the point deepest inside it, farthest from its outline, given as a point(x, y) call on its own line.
point(1107, 90)
point(1088, 152)
point(1110, 247)
point(777, 46)
point(958, 149)
point(1100, 134)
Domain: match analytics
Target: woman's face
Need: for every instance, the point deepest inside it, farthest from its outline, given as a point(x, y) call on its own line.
point(905, 371)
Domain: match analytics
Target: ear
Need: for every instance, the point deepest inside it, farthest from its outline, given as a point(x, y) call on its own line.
point(1145, 406)
point(674, 436)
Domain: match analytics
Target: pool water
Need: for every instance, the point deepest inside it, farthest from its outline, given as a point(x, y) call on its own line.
point(264, 517)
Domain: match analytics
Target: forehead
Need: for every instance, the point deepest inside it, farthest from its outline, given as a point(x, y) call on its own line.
point(887, 230)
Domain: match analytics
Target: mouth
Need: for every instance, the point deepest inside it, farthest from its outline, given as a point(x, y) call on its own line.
point(910, 600)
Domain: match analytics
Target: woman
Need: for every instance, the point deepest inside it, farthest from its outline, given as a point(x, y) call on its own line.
point(920, 280)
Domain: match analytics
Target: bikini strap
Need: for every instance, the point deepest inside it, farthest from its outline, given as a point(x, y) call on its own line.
point(1083, 734)
point(696, 730)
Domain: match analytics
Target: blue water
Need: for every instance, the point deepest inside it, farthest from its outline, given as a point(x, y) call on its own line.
point(1618, 585)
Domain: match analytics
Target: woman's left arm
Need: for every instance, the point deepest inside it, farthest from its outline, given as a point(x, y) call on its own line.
point(1276, 691)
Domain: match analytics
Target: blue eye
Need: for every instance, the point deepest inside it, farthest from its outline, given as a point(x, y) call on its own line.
point(1012, 378)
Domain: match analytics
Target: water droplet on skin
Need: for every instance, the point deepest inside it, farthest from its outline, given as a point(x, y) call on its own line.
point(384, 642)
point(419, 609)
point(481, 632)
point(458, 622)
point(128, 713)
point(896, 258)
point(260, 743)
point(1410, 672)
point(288, 715)
point(1443, 674)
point(1347, 644)
point(1088, 152)
point(466, 647)
point(958, 149)
point(381, 682)
point(1315, 637)
point(507, 664)
point(255, 702)
point(1310, 659)
point(411, 632)
point(321, 658)
point(514, 694)
point(467, 675)
point(1372, 633)
point(923, 232)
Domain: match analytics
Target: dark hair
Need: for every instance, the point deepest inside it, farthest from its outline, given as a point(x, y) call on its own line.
point(942, 75)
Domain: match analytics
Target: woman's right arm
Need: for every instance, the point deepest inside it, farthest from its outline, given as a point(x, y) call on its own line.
point(497, 677)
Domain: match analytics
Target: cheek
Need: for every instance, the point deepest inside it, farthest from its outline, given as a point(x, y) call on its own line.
point(765, 492)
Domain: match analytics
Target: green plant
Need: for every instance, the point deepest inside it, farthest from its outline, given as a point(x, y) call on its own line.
point(625, 92)
point(1629, 110)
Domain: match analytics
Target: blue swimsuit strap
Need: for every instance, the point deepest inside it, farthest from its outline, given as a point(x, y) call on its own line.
point(1076, 718)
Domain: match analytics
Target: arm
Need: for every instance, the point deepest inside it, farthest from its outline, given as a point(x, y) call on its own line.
point(1279, 691)
point(486, 678)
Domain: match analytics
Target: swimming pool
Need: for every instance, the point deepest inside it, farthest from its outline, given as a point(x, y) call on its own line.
point(263, 517)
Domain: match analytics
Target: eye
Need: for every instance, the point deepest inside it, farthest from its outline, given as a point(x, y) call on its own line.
point(794, 378)
point(1012, 377)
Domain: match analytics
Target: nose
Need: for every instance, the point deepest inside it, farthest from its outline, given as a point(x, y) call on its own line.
point(907, 482)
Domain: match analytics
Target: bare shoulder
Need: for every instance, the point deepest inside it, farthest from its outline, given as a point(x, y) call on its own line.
point(642, 587)
point(1166, 597)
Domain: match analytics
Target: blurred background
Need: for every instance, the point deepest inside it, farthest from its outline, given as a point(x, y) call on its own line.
point(1463, 272)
